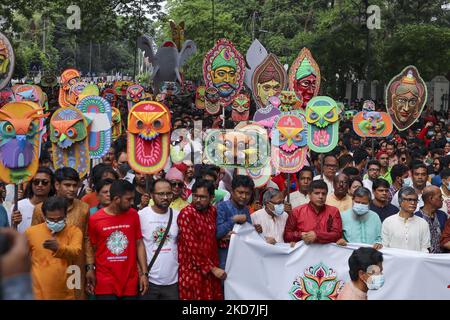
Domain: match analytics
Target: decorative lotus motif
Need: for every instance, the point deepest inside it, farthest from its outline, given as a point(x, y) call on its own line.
point(319, 282)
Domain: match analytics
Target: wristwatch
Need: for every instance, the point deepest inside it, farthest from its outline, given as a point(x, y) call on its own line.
point(90, 267)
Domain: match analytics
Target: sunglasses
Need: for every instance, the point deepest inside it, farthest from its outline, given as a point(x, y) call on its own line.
point(37, 182)
point(177, 184)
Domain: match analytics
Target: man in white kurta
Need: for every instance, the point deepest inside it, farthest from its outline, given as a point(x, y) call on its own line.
point(405, 230)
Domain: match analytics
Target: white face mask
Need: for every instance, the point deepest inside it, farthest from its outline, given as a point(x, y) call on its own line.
point(278, 209)
point(375, 281)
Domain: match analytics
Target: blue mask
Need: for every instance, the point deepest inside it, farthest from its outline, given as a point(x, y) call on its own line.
point(360, 209)
point(375, 282)
point(448, 139)
point(56, 227)
point(279, 209)
point(407, 182)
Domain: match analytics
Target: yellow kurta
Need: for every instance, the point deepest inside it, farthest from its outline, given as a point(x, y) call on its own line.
point(77, 215)
point(48, 268)
point(343, 205)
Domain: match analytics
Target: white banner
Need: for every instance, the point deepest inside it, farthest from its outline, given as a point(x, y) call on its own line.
point(260, 271)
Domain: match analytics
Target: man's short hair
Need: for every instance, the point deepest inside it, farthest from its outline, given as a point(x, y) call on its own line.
point(405, 191)
point(305, 169)
point(362, 192)
point(351, 171)
point(317, 184)
point(373, 163)
point(242, 181)
point(361, 259)
point(66, 173)
point(55, 203)
point(153, 185)
point(445, 173)
point(208, 185)
point(398, 170)
point(100, 184)
point(345, 160)
point(119, 188)
point(418, 166)
point(359, 155)
point(269, 194)
point(379, 182)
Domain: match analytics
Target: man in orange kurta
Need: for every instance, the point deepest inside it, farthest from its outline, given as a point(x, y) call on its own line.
point(54, 246)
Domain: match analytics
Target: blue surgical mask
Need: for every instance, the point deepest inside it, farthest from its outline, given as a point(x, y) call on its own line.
point(56, 227)
point(448, 139)
point(278, 209)
point(375, 282)
point(407, 182)
point(360, 209)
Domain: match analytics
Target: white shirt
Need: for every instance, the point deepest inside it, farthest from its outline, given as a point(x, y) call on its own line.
point(368, 184)
point(26, 209)
point(328, 182)
point(446, 202)
point(420, 203)
point(153, 225)
point(271, 227)
point(410, 234)
point(297, 199)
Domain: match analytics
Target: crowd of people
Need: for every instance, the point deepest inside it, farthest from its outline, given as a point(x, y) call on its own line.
point(166, 236)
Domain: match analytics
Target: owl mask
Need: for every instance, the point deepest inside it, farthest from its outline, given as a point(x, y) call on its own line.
point(288, 142)
point(98, 113)
point(322, 116)
point(69, 137)
point(148, 137)
point(241, 108)
point(20, 128)
point(135, 93)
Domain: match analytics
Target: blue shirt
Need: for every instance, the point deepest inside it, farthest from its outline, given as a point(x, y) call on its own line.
point(361, 229)
point(4, 221)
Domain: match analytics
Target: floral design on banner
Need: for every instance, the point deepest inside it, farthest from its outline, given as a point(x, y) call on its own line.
point(318, 282)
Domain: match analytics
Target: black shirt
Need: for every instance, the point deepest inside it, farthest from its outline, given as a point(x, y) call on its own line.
point(384, 212)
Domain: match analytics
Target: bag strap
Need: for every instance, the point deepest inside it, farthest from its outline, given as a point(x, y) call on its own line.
point(169, 224)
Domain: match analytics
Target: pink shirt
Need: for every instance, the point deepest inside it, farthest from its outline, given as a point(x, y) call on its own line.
point(350, 292)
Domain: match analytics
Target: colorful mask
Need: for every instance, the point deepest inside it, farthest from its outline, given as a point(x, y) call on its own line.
point(189, 87)
point(241, 107)
point(372, 124)
point(27, 92)
point(304, 77)
point(20, 128)
point(266, 116)
point(116, 124)
point(68, 78)
point(368, 105)
point(200, 97)
point(98, 113)
point(148, 137)
point(120, 87)
point(268, 80)
point(89, 90)
point(349, 115)
point(110, 95)
point(7, 61)
point(6, 95)
point(288, 142)
point(69, 137)
point(212, 100)
point(237, 148)
point(135, 93)
point(170, 88)
point(322, 116)
point(177, 33)
point(406, 96)
point(224, 69)
point(75, 91)
point(289, 101)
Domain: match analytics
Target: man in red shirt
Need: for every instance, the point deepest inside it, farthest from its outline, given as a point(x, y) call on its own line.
point(115, 234)
point(314, 222)
point(199, 274)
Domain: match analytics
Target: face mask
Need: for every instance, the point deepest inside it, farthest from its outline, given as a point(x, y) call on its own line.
point(375, 282)
point(360, 209)
point(407, 182)
point(428, 161)
point(56, 227)
point(448, 139)
point(279, 209)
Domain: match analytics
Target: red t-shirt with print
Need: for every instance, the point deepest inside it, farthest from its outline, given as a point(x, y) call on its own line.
point(115, 239)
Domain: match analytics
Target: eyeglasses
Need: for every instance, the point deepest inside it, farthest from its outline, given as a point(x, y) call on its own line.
point(411, 200)
point(177, 184)
point(37, 182)
point(164, 194)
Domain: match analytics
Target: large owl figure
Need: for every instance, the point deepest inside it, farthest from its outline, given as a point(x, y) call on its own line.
point(288, 142)
point(69, 137)
point(135, 93)
point(20, 128)
point(116, 124)
point(322, 115)
point(148, 137)
point(68, 78)
point(98, 113)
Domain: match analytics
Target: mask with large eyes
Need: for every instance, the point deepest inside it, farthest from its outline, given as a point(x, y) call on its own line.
point(116, 124)
point(120, 87)
point(372, 124)
point(148, 136)
point(28, 92)
point(69, 137)
point(20, 129)
point(289, 142)
point(98, 113)
point(110, 95)
point(322, 115)
point(135, 93)
point(241, 107)
point(288, 101)
point(68, 78)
